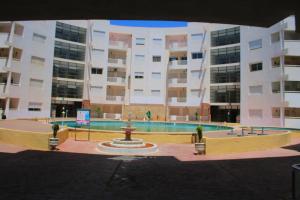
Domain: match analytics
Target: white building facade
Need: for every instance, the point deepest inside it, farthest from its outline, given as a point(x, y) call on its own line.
point(199, 72)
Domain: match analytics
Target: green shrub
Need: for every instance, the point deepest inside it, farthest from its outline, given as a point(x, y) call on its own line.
point(199, 130)
point(55, 128)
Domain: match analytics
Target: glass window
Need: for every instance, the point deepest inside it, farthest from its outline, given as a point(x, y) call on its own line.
point(37, 60)
point(225, 55)
point(275, 112)
point(138, 92)
point(256, 90)
point(156, 75)
point(255, 44)
point(34, 106)
point(156, 58)
point(97, 70)
point(68, 70)
point(255, 113)
point(225, 37)
point(292, 86)
point(139, 57)
point(140, 41)
point(69, 51)
point(155, 92)
point(275, 37)
point(197, 55)
point(98, 33)
point(197, 36)
point(70, 32)
point(276, 62)
point(139, 75)
point(39, 38)
point(276, 87)
point(36, 83)
point(255, 67)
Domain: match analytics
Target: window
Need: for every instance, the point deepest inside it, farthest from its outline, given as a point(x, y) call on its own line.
point(225, 37)
point(292, 112)
point(67, 89)
point(138, 92)
point(140, 41)
point(275, 112)
point(255, 44)
point(276, 87)
point(36, 83)
point(157, 42)
point(139, 75)
point(68, 70)
point(292, 86)
point(255, 113)
point(276, 62)
point(96, 90)
point(70, 32)
point(156, 58)
point(197, 55)
point(228, 74)
point(140, 57)
point(39, 38)
point(34, 106)
point(255, 90)
point(225, 55)
point(97, 70)
point(69, 51)
point(197, 36)
point(255, 67)
point(275, 37)
point(156, 75)
point(98, 33)
point(37, 60)
point(155, 92)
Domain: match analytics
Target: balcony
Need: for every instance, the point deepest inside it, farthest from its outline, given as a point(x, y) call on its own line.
point(177, 101)
point(121, 45)
point(177, 46)
point(292, 47)
point(178, 117)
point(117, 62)
point(112, 116)
point(3, 62)
point(115, 99)
point(177, 82)
point(2, 89)
point(178, 64)
point(292, 99)
point(116, 80)
point(4, 39)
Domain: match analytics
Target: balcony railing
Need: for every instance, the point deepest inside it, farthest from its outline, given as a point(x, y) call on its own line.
point(177, 45)
point(115, 98)
point(2, 88)
point(119, 44)
point(119, 61)
point(112, 116)
point(177, 63)
point(116, 79)
point(177, 81)
point(3, 61)
point(177, 99)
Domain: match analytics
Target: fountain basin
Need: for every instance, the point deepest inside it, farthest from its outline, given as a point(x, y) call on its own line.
point(113, 148)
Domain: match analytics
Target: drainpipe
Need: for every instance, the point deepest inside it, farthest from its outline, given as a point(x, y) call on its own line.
point(282, 106)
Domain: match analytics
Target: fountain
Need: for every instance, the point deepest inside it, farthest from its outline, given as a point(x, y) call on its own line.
point(127, 145)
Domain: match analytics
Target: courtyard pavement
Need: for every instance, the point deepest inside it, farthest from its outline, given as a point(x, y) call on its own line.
point(79, 171)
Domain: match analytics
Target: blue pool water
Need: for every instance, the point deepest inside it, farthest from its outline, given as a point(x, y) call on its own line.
point(145, 126)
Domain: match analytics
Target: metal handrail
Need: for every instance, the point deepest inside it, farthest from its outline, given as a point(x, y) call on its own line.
point(295, 168)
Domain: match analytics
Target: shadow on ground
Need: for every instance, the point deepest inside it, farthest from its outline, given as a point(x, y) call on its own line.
point(295, 147)
point(39, 175)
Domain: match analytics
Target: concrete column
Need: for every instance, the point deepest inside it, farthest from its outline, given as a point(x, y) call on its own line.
point(282, 106)
point(7, 105)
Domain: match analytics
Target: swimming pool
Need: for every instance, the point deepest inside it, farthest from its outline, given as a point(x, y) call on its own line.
point(145, 126)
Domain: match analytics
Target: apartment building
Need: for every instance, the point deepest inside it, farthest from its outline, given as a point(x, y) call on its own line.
point(200, 71)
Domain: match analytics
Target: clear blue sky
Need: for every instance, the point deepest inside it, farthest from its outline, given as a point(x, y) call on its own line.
point(148, 23)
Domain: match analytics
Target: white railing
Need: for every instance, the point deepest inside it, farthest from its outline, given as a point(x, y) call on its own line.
point(115, 98)
point(179, 117)
point(2, 88)
point(177, 99)
point(176, 45)
point(4, 38)
point(177, 63)
point(112, 116)
point(3, 61)
point(292, 65)
point(116, 79)
point(119, 61)
point(177, 80)
point(120, 44)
